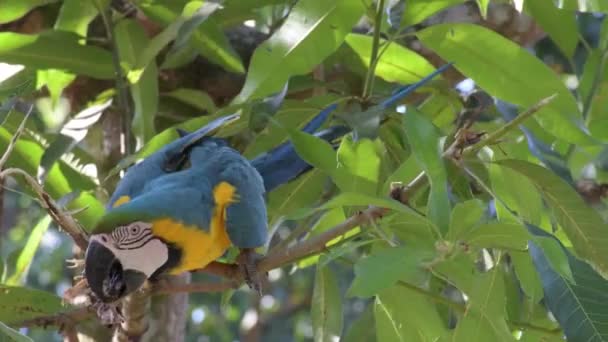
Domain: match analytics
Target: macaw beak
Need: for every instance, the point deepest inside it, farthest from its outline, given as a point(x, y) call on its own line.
point(105, 274)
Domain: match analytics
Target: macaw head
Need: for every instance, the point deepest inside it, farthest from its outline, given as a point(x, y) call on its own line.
point(118, 262)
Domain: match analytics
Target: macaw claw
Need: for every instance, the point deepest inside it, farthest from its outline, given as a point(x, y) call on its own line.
point(247, 261)
point(75, 263)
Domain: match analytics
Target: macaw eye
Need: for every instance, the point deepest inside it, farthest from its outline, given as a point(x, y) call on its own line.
point(134, 230)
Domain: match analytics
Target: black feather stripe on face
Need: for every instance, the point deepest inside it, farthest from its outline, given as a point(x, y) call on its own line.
point(175, 257)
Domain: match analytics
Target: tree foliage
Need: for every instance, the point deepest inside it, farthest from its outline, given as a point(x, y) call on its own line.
point(471, 210)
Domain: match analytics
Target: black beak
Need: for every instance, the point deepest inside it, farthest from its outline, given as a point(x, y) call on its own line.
point(105, 274)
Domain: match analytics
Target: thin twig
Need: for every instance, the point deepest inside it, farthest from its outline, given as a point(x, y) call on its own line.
point(66, 222)
point(595, 85)
point(15, 137)
point(122, 91)
point(371, 71)
point(509, 126)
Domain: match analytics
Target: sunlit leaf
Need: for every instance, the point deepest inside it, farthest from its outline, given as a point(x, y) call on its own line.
point(29, 250)
point(74, 16)
point(503, 69)
point(311, 32)
point(14, 9)
point(360, 162)
point(56, 50)
point(418, 10)
point(27, 155)
point(396, 64)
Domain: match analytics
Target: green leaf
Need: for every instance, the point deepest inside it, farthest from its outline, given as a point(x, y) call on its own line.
point(326, 306)
point(465, 216)
point(483, 7)
point(20, 303)
point(397, 63)
point(312, 31)
point(303, 192)
point(517, 192)
point(504, 69)
point(292, 114)
point(359, 165)
point(74, 16)
point(405, 315)
point(425, 143)
point(385, 267)
point(583, 225)
point(195, 98)
point(412, 228)
point(362, 328)
point(55, 50)
point(315, 151)
point(484, 318)
point(498, 235)
point(460, 271)
point(12, 334)
point(72, 133)
point(527, 275)
point(27, 155)
point(559, 24)
point(210, 41)
point(178, 26)
point(206, 38)
point(579, 308)
point(11, 10)
point(555, 255)
point(418, 10)
point(131, 38)
point(29, 250)
point(584, 5)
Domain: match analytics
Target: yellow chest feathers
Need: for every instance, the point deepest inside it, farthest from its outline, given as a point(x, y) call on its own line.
point(199, 247)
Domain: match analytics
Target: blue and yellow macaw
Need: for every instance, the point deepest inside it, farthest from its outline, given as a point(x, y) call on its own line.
point(185, 205)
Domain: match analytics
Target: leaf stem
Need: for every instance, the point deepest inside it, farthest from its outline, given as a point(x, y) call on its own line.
point(371, 71)
point(597, 81)
point(122, 91)
point(499, 133)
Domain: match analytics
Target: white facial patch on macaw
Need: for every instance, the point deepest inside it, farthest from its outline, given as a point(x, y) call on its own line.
point(135, 247)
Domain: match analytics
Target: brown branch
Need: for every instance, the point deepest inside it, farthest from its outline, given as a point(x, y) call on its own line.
point(13, 142)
